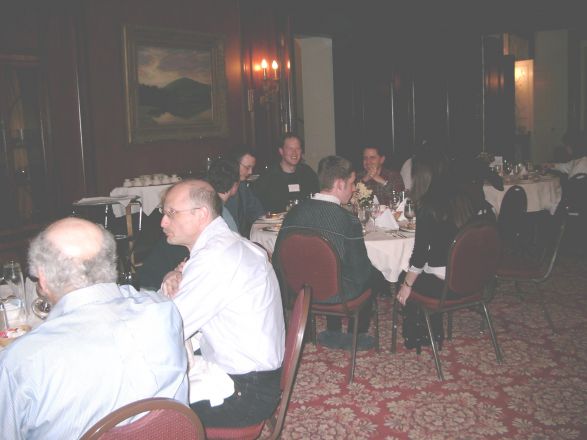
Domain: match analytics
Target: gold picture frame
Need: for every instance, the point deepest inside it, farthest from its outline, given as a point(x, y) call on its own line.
point(175, 84)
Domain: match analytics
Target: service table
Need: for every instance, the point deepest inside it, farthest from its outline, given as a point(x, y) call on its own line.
point(543, 193)
point(150, 197)
point(389, 251)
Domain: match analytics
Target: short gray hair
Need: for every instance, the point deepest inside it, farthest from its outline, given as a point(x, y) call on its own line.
point(200, 196)
point(65, 274)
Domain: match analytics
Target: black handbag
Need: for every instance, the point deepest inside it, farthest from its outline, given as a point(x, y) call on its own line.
point(414, 330)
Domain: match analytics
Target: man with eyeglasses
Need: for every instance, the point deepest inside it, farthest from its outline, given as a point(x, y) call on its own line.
point(245, 207)
point(223, 175)
point(228, 292)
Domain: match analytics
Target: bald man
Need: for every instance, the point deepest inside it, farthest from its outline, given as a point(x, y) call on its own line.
point(100, 348)
point(227, 290)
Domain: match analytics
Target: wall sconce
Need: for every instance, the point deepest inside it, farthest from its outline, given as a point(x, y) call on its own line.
point(269, 84)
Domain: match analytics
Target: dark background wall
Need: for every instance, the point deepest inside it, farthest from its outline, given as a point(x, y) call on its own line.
point(402, 73)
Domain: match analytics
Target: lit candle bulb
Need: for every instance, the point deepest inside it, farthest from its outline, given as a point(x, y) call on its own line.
point(274, 66)
point(264, 66)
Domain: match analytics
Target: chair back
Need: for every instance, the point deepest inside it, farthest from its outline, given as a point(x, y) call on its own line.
point(472, 258)
point(575, 194)
point(166, 418)
point(291, 359)
point(305, 257)
point(511, 212)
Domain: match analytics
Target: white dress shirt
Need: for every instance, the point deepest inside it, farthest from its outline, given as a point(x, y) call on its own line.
point(572, 167)
point(100, 348)
point(229, 292)
point(406, 173)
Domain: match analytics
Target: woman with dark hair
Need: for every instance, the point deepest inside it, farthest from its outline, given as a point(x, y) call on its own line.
point(441, 209)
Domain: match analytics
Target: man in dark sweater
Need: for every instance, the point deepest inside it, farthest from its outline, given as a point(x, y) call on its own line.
point(288, 180)
point(343, 230)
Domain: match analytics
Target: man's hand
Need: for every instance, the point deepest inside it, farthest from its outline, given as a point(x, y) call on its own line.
point(170, 285)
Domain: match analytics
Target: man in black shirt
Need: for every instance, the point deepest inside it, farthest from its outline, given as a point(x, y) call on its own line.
point(289, 179)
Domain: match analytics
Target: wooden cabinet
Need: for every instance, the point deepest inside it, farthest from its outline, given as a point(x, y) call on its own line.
point(24, 187)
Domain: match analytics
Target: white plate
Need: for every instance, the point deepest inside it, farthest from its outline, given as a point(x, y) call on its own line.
point(273, 218)
point(403, 229)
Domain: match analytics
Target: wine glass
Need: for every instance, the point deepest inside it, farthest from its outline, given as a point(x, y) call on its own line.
point(363, 214)
point(409, 211)
point(41, 307)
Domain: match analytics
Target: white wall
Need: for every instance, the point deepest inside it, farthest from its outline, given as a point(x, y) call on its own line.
point(550, 93)
point(315, 79)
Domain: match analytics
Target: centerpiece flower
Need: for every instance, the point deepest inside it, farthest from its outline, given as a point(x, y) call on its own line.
point(363, 196)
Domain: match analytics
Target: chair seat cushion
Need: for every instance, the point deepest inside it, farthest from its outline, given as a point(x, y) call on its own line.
point(512, 266)
point(434, 303)
point(351, 305)
point(243, 433)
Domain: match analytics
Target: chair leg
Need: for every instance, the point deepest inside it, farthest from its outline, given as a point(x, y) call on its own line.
point(394, 313)
point(545, 310)
point(449, 327)
point(313, 325)
point(355, 319)
point(434, 346)
point(376, 315)
point(498, 355)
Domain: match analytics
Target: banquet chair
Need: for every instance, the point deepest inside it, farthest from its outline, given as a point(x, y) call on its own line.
point(511, 218)
point(166, 418)
point(523, 268)
point(306, 257)
point(574, 201)
point(472, 261)
point(293, 350)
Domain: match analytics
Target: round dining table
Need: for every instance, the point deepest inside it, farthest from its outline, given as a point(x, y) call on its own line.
point(542, 192)
point(389, 251)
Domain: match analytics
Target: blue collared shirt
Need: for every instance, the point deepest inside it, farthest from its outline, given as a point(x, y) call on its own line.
point(100, 348)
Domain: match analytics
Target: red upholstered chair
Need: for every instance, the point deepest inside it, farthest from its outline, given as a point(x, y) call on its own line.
point(166, 418)
point(306, 257)
point(293, 350)
point(523, 268)
point(472, 261)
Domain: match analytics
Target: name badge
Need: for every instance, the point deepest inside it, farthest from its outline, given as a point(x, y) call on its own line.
point(293, 187)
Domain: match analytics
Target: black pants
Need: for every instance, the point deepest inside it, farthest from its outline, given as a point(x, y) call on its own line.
point(255, 398)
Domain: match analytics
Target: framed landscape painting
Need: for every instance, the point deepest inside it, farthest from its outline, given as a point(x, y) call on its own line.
point(175, 84)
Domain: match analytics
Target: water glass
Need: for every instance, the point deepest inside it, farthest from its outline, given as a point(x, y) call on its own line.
point(12, 275)
point(409, 210)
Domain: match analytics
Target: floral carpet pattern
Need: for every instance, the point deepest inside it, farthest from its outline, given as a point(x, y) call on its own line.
point(539, 392)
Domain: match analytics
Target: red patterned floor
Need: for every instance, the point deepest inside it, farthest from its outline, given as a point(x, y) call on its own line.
point(539, 392)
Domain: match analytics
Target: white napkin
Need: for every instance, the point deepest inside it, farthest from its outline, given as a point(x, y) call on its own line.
point(207, 380)
point(386, 221)
point(400, 208)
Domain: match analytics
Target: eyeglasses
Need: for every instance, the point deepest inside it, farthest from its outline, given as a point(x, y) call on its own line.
point(171, 212)
point(248, 167)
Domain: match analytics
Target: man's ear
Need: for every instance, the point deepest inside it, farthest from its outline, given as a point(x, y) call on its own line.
point(338, 184)
point(44, 289)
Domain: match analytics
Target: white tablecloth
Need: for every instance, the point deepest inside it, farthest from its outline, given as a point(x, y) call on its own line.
point(150, 197)
point(389, 253)
point(543, 194)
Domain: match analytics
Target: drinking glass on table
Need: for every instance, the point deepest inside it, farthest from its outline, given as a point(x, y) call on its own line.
point(12, 275)
point(363, 213)
point(409, 211)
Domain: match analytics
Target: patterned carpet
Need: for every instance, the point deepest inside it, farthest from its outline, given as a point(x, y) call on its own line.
point(539, 392)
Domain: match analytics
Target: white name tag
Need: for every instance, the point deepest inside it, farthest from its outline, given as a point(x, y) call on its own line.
point(293, 187)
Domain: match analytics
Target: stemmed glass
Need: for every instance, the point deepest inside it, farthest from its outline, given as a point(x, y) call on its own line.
point(409, 211)
point(363, 214)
